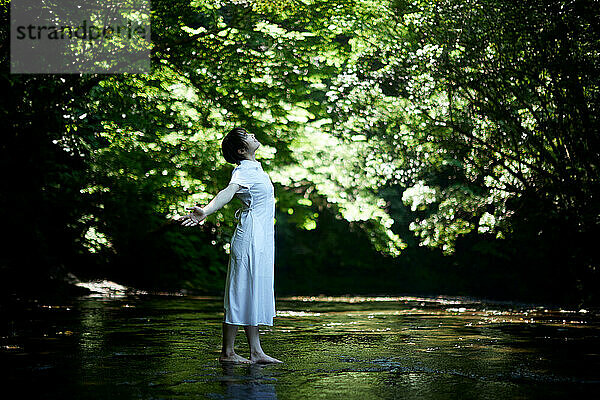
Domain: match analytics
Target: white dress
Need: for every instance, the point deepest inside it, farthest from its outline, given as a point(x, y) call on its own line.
point(249, 290)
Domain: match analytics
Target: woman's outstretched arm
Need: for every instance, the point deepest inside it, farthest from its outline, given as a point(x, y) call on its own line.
point(197, 214)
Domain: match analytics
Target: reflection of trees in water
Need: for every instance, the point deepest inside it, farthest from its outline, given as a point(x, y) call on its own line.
point(253, 384)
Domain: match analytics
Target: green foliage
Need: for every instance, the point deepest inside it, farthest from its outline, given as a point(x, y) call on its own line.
point(413, 122)
point(483, 102)
point(510, 98)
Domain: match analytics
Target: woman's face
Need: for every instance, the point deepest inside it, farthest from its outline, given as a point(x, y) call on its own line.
point(251, 142)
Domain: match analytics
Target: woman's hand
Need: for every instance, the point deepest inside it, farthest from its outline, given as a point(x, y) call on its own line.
point(197, 213)
point(195, 216)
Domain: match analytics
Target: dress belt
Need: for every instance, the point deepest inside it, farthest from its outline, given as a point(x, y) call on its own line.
point(241, 210)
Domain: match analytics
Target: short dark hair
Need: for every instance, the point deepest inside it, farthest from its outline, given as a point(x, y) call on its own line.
point(233, 142)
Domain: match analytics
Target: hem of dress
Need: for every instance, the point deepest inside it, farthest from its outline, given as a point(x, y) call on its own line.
point(246, 324)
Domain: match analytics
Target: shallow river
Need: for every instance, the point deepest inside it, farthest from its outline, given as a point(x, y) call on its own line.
point(167, 347)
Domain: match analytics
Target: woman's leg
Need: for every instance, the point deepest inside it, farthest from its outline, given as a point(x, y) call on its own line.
point(257, 354)
point(227, 352)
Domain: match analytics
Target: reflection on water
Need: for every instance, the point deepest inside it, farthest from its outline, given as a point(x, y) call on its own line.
point(142, 346)
point(251, 384)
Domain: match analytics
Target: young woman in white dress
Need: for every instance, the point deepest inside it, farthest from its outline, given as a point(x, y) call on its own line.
point(249, 298)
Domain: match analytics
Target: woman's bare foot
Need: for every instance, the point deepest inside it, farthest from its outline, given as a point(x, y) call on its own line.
point(233, 358)
point(262, 358)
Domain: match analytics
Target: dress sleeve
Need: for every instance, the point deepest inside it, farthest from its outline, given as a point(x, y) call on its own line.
point(241, 177)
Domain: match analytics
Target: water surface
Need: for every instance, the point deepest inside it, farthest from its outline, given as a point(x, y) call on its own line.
point(167, 347)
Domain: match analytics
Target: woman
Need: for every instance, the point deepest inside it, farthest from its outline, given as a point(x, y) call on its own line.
point(249, 295)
